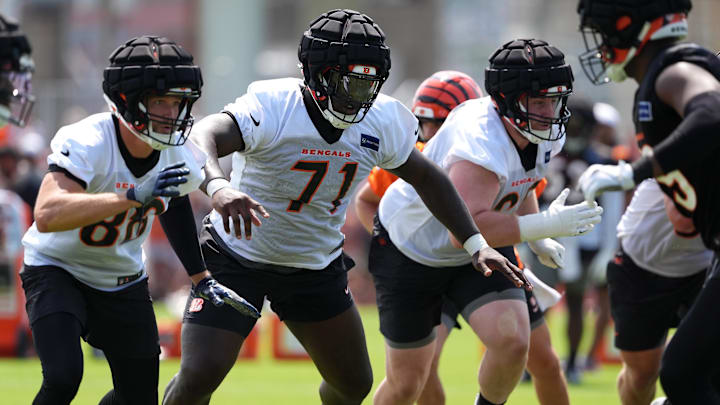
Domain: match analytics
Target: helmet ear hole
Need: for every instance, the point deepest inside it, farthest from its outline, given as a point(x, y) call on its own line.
point(623, 22)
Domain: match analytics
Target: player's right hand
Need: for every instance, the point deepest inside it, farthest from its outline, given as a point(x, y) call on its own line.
point(571, 220)
point(163, 184)
point(231, 203)
point(209, 289)
point(488, 260)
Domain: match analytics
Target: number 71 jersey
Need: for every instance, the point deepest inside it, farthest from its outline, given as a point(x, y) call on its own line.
point(106, 255)
point(302, 180)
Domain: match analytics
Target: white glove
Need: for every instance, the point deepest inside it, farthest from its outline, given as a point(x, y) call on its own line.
point(546, 296)
point(560, 220)
point(548, 251)
point(598, 179)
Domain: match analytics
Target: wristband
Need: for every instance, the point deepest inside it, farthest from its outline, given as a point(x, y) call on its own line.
point(215, 185)
point(475, 243)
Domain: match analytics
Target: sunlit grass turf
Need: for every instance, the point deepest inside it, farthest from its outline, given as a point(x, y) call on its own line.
point(268, 381)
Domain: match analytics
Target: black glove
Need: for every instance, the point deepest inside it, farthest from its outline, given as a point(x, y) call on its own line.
point(209, 289)
point(163, 184)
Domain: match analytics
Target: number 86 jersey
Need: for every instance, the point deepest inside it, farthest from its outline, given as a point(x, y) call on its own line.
point(106, 255)
point(302, 180)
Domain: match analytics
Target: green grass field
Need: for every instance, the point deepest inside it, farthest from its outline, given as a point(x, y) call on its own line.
point(267, 381)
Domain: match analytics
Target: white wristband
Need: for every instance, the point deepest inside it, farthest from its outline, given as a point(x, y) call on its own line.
point(216, 184)
point(475, 243)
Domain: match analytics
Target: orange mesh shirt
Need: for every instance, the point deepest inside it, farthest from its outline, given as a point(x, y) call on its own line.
point(380, 179)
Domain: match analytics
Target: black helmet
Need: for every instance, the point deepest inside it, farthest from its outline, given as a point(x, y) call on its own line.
point(344, 62)
point(615, 31)
point(530, 68)
point(148, 66)
point(16, 67)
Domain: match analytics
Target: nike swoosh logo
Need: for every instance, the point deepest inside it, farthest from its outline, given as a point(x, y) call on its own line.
point(65, 152)
point(257, 123)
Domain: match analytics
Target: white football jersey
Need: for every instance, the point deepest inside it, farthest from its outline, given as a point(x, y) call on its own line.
point(304, 182)
point(107, 254)
point(474, 132)
point(648, 237)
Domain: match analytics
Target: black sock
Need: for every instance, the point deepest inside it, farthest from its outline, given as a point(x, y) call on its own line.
point(108, 399)
point(480, 400)
point(571, 359)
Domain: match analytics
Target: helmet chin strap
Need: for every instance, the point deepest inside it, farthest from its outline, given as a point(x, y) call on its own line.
point(333, 120)
point(531, 135)
point(153, 143)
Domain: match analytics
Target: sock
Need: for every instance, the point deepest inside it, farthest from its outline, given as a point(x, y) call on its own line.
point(109, 398)
point(480, 400)
point(571, 359)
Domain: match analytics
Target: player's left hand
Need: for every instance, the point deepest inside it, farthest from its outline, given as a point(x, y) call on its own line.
point(244, 211)
point(209, 289)
point(488, 260)
point(549, 252)
point(598, 179)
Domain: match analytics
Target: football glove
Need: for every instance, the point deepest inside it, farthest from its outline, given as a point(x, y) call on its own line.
point(546, 296)
point(163, 184)
point(560, 220)
point(548, 251)
point(209, 289)
point(598, 179)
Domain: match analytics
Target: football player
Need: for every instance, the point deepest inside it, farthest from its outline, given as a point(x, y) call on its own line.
point(677, 121)
point(109, 175)
point(654, 279)
point(302, 148)
point(434, 99)
point(495, 150)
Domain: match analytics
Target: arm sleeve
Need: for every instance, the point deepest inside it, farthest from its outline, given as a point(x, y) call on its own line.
point(696, 138)
point(179, 226)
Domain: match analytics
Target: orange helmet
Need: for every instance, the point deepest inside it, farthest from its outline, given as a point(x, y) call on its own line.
point(442, 92)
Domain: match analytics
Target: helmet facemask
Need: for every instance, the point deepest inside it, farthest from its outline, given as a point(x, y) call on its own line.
point(608, 54)
point(16, 99)
point(553, 128)
point(160, 131)
point(349, 94)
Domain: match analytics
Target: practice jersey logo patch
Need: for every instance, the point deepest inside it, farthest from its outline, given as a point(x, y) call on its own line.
point(196, 305)
point(370, 142)
point(547, 156)
point(644, 111)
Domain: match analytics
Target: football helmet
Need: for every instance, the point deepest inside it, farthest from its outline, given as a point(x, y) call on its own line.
point(615, 31)
point(344, 61)
point(441, 92)
point(152, 66)
point(16, 67)
point(526, 68)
